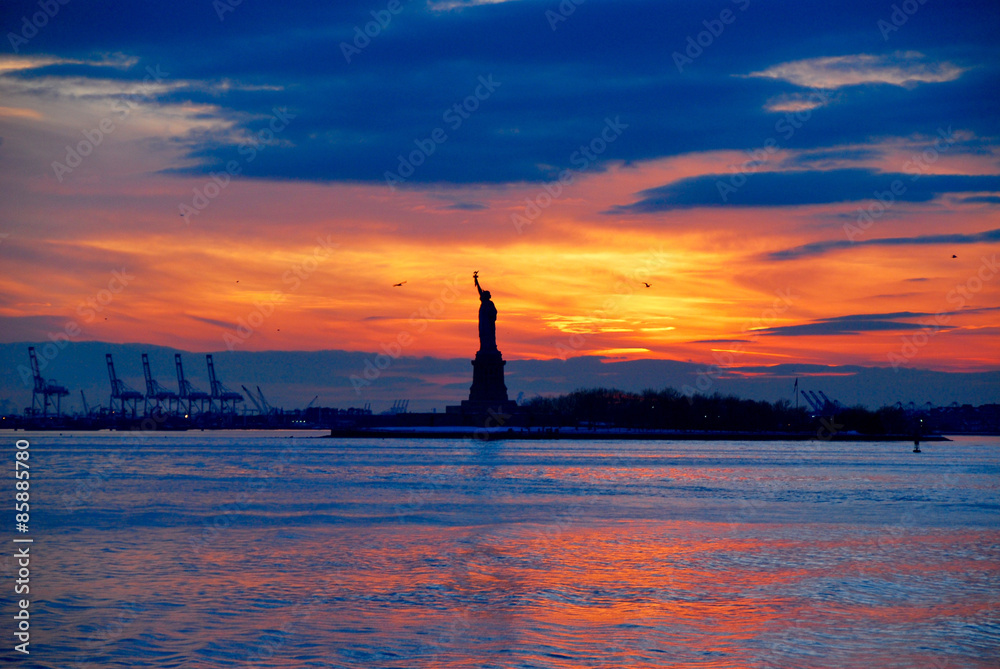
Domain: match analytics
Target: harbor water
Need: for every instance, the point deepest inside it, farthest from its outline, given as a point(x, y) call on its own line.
point(241, 549)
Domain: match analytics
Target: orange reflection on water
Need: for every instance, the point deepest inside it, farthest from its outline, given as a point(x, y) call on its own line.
point(565, 593)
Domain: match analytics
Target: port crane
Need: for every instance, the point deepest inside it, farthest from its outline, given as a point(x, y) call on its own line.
point(187, 391)
point(256, 403)
point(43, 391)
point(820, 404)
point(830, 403)
point(226, 398)
point(156, 394)
point(264, 403)
point(86, 409)
point(813, 404)
point(260, 401)
point(121, 391)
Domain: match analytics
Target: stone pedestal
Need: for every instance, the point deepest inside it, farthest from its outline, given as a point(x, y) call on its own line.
point(488, 392)
point(487, 378)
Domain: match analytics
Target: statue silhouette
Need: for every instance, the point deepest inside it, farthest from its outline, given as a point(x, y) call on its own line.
point(488, 395)
point(487, 319)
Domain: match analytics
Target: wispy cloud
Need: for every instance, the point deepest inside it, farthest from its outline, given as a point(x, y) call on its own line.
point(448, 5)
point(794, 102)
point(20, 112)
point(801, 187)
point(899, 69)
point(819, 248)
point(26, 63)
point(467, 206)
point(853, 324)
point(210, 321)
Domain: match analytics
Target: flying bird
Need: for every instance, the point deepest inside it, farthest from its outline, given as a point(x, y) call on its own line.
point(954, 256)
point(397, 285)
point(646, 284)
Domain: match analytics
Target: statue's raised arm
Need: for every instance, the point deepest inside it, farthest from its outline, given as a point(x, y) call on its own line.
point(475, 278)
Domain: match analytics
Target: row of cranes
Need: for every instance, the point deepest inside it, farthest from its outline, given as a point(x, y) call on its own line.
point(125, 400)
point(820, 406)
point(188, 399)
point(184, 408)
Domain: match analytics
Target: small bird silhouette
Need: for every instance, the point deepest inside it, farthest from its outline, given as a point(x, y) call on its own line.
point(646, 284)
point(954, 256)
point(397, 285)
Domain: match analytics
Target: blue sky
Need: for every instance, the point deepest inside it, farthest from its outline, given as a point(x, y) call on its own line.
point(606, 58)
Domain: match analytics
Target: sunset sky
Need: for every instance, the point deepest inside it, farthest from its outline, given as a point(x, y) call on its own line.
point(803, 182)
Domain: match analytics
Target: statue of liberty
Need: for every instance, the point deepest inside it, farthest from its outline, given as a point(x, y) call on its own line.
point(488, 398)
point(487, 318)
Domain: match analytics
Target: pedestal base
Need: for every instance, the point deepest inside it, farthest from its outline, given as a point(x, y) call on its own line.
point(487, 378)
point(488, 393)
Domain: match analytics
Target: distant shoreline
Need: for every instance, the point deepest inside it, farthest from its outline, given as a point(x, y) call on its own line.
point(525, 434)
point(497, 434)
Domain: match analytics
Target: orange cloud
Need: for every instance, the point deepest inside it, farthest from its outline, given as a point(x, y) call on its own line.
point(300, 266)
